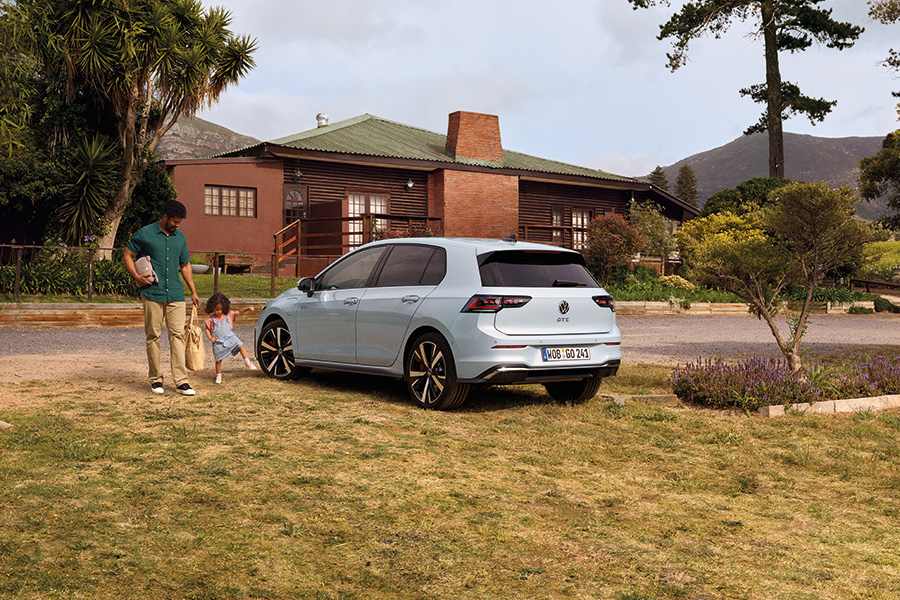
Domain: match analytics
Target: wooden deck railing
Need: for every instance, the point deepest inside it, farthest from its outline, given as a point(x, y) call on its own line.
point(331, 237)
point(872, 283)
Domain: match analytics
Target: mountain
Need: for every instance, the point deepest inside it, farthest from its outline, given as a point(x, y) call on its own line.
point(195, 138)
point(807, 158)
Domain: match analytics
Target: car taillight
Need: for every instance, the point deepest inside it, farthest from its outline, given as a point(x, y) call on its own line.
point(494, 303)
point(605, 302)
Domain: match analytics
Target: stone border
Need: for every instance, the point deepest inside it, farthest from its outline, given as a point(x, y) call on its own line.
point(828, 407)
point(634, 308)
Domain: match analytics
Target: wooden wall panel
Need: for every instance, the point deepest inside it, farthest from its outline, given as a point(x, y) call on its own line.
point(330, 182)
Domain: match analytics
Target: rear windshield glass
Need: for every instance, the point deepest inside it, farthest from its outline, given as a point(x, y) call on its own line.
point(525, 268)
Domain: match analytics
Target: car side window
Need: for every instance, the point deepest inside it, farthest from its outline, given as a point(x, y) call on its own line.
point(352, 272)
point(409, 264)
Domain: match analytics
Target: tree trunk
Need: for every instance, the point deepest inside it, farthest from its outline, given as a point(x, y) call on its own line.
point(790, 351)
point(773, 90)
point(113, 217)
point(130, 173)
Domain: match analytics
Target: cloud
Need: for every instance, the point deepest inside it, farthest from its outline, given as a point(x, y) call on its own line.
point(581, 81)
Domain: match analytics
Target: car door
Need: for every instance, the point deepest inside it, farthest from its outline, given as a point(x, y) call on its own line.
point(326, 321)
point(407, 275)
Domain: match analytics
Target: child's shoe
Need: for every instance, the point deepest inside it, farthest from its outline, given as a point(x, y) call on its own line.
point(218, 378)
point(249, 364)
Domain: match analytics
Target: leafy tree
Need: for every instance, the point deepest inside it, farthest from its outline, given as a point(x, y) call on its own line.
point(658, 178)
point(804, 231)
point(16, 87)
point(657, 231)
point(686, 185)
point(887, 11)
point(135, 67)
point(612, 242)
point(30, 185)
point(746, 197)
point(784, 25)
point(146, 204)
point(879, 176)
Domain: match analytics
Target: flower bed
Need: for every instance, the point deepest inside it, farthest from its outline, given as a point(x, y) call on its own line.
point(757, 382)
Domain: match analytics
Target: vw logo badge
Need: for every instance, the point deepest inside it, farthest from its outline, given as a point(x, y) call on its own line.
point(563, 307)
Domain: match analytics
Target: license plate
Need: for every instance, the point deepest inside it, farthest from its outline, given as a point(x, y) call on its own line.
point(577, 353)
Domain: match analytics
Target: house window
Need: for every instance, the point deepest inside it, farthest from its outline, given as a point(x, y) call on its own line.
point(294, 203)
point(362, 203)
point(229, 201)
point(557, 214)
point(581, 221)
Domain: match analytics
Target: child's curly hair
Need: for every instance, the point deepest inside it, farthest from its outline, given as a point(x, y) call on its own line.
point(218, 298)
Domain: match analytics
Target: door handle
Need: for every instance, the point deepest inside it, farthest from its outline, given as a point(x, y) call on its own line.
point(353, 300)
point(408, 299)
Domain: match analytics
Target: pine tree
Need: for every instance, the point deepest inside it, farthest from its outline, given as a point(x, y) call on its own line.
point(783, 26)
point(658, 178)
point(686, 185)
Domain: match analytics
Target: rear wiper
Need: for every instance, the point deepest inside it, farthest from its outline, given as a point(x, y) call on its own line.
point(562, 283)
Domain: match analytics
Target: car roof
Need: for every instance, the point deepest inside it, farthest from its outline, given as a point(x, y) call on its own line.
point(480, 245)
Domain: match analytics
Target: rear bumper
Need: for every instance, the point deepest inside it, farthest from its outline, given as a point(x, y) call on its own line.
point(519, 373)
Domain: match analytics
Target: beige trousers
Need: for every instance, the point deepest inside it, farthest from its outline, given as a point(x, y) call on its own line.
point(172, 313)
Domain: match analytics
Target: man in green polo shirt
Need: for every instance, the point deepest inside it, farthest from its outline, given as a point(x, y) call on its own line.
point(164, 299)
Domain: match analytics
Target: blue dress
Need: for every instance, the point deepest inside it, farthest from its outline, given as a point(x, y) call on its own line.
point(227, 342)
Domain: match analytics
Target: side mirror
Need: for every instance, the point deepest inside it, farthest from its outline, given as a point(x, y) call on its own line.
point(307, 285)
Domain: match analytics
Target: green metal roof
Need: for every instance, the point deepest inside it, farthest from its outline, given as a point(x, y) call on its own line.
point(369, 135)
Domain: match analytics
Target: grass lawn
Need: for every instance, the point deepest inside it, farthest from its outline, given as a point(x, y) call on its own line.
point(337, 487)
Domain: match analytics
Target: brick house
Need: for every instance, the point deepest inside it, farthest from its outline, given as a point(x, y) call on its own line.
point(310, 197)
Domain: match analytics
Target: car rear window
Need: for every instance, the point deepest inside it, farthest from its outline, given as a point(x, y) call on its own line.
point(527, 268)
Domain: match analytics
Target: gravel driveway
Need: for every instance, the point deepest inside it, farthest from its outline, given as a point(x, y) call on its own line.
point(28, 353)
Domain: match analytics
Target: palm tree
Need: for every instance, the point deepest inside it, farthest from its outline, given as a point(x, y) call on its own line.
point(140, 64)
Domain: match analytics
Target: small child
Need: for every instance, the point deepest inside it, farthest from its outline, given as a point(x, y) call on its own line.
point(220, 333)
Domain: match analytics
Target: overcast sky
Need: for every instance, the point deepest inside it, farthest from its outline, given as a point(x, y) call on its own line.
point(579, 81)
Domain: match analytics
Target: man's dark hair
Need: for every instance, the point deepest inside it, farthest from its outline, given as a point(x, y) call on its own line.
point(174, 209)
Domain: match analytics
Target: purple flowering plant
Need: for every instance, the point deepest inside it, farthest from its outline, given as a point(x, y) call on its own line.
point(756, 382)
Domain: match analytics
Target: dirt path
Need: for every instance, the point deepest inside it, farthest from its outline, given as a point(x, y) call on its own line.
point(75, 353)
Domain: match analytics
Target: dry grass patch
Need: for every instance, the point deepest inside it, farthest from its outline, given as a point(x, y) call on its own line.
point(336, 487)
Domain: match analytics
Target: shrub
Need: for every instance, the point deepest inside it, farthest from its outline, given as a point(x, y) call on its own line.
point(413, 231)
point(678, 282)
point(885, 305)
point(61, 271)
point(833, 295)
point(612, 241)
point(861, 310)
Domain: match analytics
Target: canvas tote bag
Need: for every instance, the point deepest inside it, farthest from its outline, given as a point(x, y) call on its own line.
point(194, 351)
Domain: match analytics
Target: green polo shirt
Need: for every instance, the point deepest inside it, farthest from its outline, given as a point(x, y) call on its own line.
point(167, 253)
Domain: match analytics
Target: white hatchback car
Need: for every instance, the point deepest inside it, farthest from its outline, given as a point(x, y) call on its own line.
point(446, 314)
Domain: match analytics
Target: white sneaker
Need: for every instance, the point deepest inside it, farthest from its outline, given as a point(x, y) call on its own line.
point(218, 378)
point(157, 388)
point(185, 389)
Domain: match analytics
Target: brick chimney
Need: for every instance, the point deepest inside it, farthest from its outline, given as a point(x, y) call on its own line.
point(474, 136)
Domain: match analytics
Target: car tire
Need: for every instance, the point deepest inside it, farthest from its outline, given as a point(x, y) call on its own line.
point(431, 374)
point(574, 392)
point(275, 352)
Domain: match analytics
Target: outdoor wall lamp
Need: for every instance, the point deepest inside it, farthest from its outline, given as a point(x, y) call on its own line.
point(409, 184)
point(297, 175)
